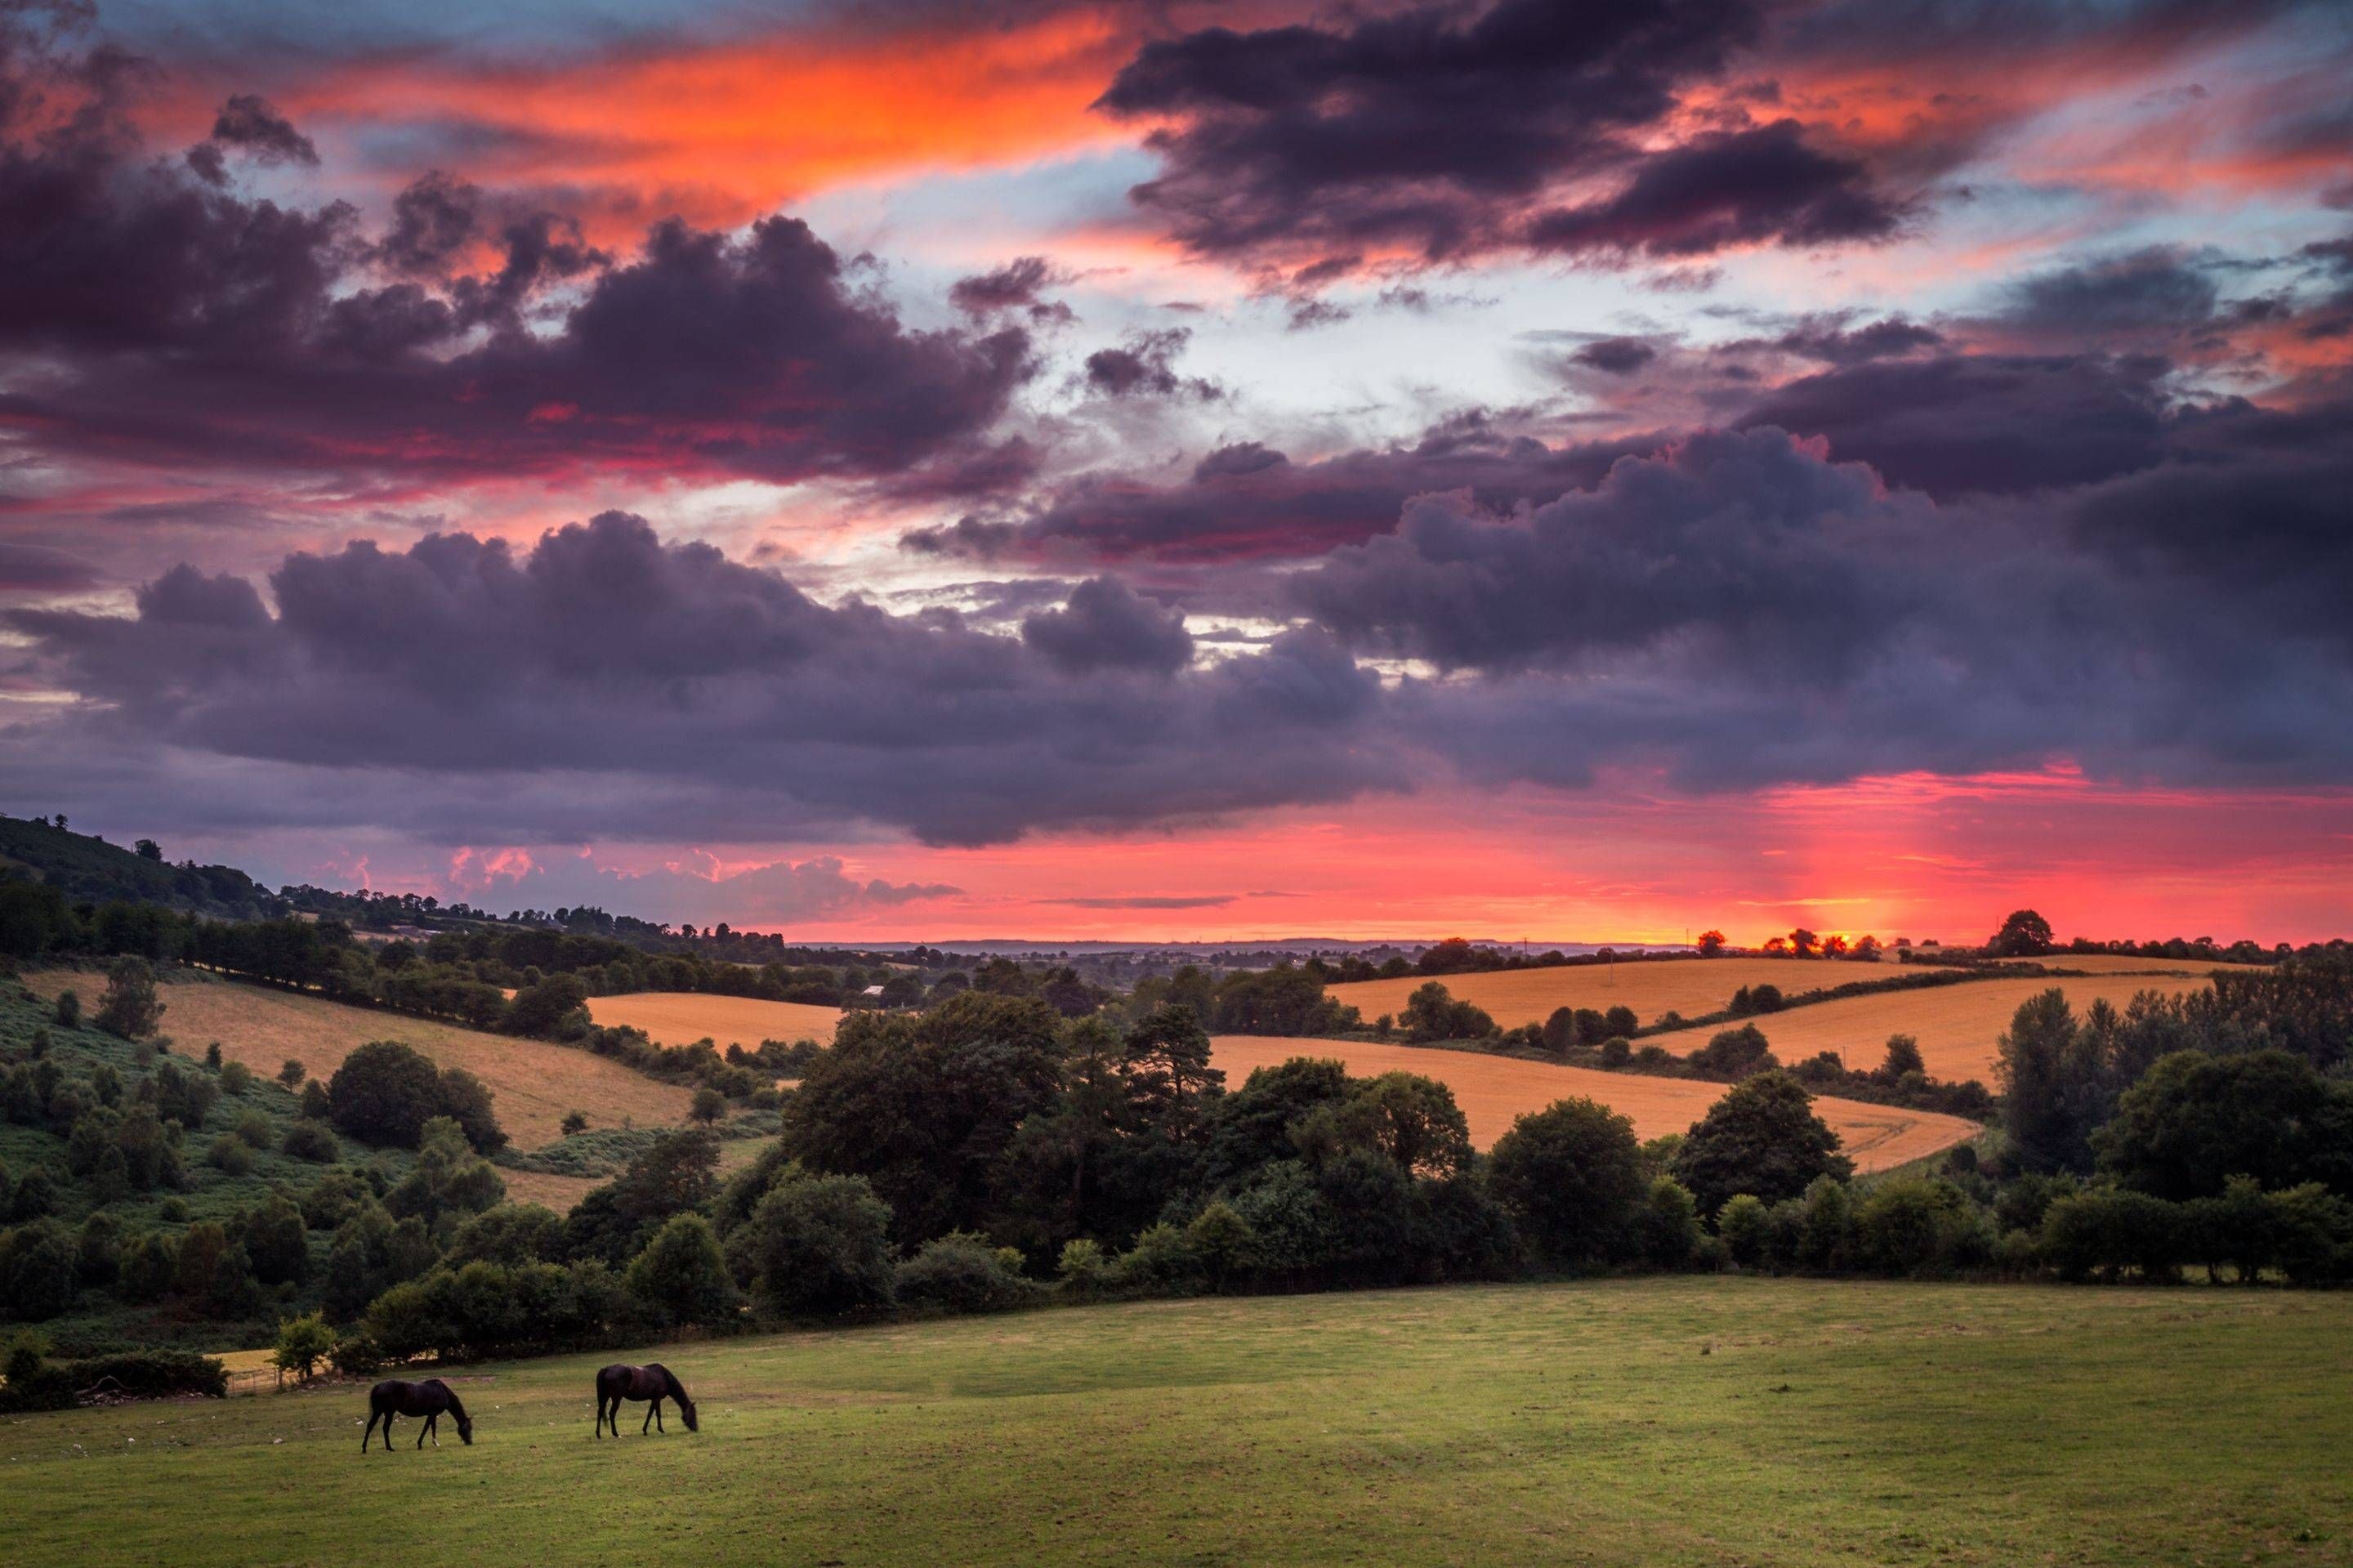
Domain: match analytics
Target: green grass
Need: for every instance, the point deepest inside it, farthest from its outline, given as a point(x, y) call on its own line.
point(1826, 1422)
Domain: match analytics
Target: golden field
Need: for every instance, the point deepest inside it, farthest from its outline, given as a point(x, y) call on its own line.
point(533, 1084)
point(683, 1017)
point(1494, 1091)
point(1688, 986)
point(2119, 964)
point(1957, 1025)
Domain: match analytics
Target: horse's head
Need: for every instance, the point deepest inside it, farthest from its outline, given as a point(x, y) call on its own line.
point(686, 1409)
point(466, 1428)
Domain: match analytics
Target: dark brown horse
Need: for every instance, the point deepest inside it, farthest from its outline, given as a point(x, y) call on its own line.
point(428, 1399)
point(656, 1382)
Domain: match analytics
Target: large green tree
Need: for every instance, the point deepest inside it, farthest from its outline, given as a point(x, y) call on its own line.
point(1762, 1137)
point(1571, 1175)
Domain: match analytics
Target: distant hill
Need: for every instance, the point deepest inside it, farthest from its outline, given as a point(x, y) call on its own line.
point(87, 869)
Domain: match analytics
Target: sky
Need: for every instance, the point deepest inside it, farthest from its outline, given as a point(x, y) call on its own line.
point(924, 469)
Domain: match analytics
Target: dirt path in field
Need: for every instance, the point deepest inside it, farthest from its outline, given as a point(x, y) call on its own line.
point(1493, 1091)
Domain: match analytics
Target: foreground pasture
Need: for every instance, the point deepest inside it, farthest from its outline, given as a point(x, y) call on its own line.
point(1495, 1091)
point(1700, 1421)
point(1957, 1026)
point(1692, 987)
point(683, 1017)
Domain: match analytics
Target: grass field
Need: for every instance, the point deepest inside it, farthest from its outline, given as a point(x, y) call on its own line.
point(1494, 1090)
point(1689, 986)
point(534, 1083)
point(1693, 1421)
point(1957, 1025)
point(683, 1017)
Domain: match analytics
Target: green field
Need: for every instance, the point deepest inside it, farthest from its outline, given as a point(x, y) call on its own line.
point(1710, 1421)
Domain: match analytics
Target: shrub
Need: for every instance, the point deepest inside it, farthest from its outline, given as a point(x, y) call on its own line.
point(682, 1275)
point(960, 1272)
point(310, 1140)
point(278, 1241)
point(40, 1271)
point(68, 1011)
point(575, 1122)
point(230, 1156)
point(1745, 1225)
point(1915, 1226)
point(1668, 1224)
point(303, 1343)
point(1081, 1266)
point(385, 1093)
point(1161, 1261)
point(1826, 1239)
point(236, 1078)
point(1732, 1054)
point(253, 1130)
point(290, 1074)
point(708, 1106)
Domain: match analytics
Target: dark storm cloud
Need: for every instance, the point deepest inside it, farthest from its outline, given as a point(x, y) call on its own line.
point(1443, 133)
point(156, 314)
point(1019, 285)
point(1248, 501)
point(606, 684)
point(36, 569)
point(1106, 627)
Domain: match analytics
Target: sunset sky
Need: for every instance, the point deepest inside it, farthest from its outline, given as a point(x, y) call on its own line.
point(935, 468)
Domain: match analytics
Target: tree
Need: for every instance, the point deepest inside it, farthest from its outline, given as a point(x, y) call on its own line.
point(148, 849)
point(278, 1241)
point(708, 1106)
point(69, 1013)
point(1745, 1224)
point(40, 1271)
point(1433, 1014)
point(1411, 1119)
point(1803, 944)
point(574, 1123)
point(131, 1009)
point(1733, 1055)
point(545, 1010)
point(1710, 943)
point(677, 1174)
point(1571, 1176)
point(2194, 1120)
point(682, 1274)
point(303, 1343)
point(817, 1244)
point(2024, 935)
point(1866, 949)
point(1902, 1057)
point(290, 1074)
point(1761, 1137)
point(385, 1093)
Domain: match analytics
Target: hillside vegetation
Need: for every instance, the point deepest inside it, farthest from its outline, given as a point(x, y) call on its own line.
point(1654, 1422)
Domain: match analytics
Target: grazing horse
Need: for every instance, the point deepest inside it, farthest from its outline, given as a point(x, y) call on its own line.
point(656, 1382)
point(428, 1399)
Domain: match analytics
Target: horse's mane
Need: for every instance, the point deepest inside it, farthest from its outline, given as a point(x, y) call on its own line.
point(676, 1389)
point(456, 1407)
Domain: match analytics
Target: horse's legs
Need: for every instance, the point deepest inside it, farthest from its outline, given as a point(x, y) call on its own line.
point(600, 1414)
point(648, 1420)
point(369, 1435)
point(657, 1420)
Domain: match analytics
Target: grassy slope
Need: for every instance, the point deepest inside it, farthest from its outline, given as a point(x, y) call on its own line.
point(1831, 1422)
point(1495, 1091)
point(681, 1018)
point(534, 1083)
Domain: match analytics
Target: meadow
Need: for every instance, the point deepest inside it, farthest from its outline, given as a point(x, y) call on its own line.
point(1957, 1026)
point(683, 1017)
point(1663, 1421)
point(1493, 1091)
point(1692, 987)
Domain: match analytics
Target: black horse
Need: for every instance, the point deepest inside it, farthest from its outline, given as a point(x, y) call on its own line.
point(656, 1382)
point(428, 1399)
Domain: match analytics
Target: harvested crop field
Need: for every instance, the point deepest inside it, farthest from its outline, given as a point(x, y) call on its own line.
point(534, 1083)
point(1494, 1091)
point(1689, 986)
point(1957, 1025)
point(683, 1017)
point(2118, 964)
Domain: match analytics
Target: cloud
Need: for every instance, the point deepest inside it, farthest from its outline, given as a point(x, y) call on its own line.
point(1148, 901)
point(1145, 366)
point(605, 684)
point(1019, 285)
point(783, 893)
point(156, 314)
point(1434, 134)
point(36, 569)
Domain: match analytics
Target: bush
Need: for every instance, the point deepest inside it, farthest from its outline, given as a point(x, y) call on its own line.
point(1732, 1054)
point(1160, 1262)
point(253, 1130)
point(960, 1272)
point(682, 1275)
point(1745, 1224)
point(236, 1078)
point(40, 1271)
point(310, 1140)
point(2109, 1231)
point(385, 1093)
point(303, 1343)
point(1081, 1266)
point(68, 1013)
point(817, 1244)
point(230, 1156)
point(1915, 1226)
point(1669, 1225)
point(1433, 1014)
